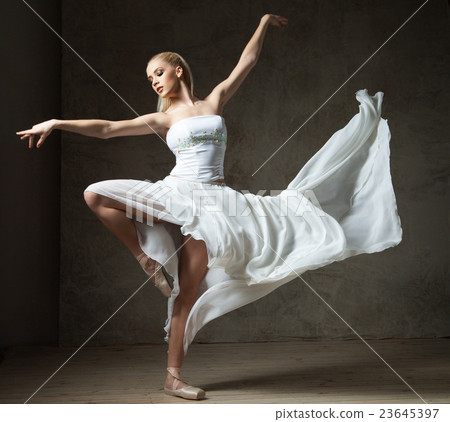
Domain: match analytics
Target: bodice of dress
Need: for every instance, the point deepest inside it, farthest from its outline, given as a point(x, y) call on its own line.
point(199, 144)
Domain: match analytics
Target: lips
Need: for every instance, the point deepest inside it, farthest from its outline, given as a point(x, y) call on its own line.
point(159, 89)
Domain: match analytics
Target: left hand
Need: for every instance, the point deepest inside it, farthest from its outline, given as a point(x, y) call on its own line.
point(275, 20)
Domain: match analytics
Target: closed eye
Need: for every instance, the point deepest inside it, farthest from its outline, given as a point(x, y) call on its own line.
point(159, 74)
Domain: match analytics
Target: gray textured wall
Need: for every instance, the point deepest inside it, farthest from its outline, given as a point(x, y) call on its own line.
point(30, 178)
point(401, 292)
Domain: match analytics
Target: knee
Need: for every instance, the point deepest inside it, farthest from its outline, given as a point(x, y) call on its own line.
point(92, 199)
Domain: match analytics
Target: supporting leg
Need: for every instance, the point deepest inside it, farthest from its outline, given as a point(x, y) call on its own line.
point(193, 267)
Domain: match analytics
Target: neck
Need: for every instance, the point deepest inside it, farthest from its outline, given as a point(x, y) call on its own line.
point(183, 97)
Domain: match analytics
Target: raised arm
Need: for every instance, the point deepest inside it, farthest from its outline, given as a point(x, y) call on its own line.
point(97, 128)
point(222, 93)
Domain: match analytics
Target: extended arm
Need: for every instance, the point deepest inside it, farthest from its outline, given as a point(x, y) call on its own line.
point(222, 93)
point(88, 127)
point(97, 128)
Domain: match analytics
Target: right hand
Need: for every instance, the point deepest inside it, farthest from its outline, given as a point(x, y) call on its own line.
point(43, 129)
point(275, 20)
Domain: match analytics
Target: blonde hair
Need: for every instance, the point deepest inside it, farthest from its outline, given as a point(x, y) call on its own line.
point(174, 59)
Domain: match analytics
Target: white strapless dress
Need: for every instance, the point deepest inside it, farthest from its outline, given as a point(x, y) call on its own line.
point(340, 204)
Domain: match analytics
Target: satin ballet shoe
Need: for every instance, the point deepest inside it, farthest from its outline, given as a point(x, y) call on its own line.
point(157, 275)
point(187, 392)
point(161, 281)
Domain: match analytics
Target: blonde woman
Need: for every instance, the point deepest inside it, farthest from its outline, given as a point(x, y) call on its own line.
point(207, 261)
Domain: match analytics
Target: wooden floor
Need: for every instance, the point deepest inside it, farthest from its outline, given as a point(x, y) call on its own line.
point(281, 372)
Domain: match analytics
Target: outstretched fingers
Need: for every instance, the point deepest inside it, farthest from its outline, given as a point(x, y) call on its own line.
point(28, 134)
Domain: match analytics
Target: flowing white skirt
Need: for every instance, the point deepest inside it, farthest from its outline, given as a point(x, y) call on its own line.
point(340, 204)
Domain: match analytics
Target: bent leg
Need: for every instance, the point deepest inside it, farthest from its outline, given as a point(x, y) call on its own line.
point(112, 214)
point(193, 266)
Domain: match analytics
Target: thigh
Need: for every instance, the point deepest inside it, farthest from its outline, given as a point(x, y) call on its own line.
point(104, 201)
point(141, 197)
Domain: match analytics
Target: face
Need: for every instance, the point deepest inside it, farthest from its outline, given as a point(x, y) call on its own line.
point(163, 77)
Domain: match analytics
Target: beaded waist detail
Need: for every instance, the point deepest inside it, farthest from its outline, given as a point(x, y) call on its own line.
point(216, 137)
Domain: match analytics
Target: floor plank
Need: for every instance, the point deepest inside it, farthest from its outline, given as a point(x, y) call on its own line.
point(276, 372)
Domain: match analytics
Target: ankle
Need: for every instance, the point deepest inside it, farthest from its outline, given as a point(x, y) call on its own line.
point(140, 255)
point(173, 381)
point(147, 264)
point(174, 371)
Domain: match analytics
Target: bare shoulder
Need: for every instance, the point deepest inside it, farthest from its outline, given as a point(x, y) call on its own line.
point(160, 121)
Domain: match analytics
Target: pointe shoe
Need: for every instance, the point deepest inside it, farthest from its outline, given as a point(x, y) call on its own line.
point(161, 281)
point(187, 392)
point(157, 275)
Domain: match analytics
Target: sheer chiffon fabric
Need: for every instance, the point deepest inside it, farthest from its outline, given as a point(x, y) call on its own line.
point(340, 204)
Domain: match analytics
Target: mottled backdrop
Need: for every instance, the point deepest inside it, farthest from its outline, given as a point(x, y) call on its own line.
point(400, 292)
